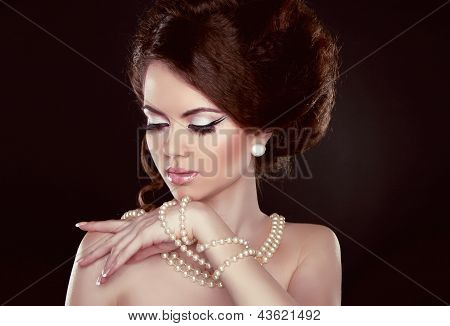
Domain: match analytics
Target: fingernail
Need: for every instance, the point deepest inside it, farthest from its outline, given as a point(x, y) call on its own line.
point(98, 280)
point(80, 223)
point(79, 260)
point(104, 274)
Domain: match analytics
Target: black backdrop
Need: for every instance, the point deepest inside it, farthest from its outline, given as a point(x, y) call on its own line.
point(380, 177)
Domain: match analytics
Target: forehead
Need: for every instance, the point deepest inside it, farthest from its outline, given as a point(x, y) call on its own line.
point(169, 92)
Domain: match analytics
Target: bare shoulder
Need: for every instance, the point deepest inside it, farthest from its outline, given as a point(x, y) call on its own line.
point(304, 238)
point(82, 288)
point(318, 277)
point(316, 238)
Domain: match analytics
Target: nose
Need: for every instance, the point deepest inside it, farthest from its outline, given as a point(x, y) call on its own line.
point(176, 141)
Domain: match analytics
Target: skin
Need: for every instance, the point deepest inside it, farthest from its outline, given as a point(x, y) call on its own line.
point(305, 270)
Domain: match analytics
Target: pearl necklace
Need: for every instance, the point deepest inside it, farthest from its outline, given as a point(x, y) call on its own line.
point(265, 252)
point(262, 255)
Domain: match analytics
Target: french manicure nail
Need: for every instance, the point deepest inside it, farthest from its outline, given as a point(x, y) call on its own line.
point(80, 223)
point(105, 273)
point(98, 280)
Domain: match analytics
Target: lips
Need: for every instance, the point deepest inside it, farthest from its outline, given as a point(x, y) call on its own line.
point(179, 170)
point(180, 176)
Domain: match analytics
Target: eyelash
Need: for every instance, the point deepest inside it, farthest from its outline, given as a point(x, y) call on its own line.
point(201, 130)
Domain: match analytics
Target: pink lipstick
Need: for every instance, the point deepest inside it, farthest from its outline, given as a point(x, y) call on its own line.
point(180, 176)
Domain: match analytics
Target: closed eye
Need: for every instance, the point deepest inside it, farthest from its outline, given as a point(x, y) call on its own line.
point(202, 130)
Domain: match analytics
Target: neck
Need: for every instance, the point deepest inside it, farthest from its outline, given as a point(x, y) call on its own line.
point(238, 206)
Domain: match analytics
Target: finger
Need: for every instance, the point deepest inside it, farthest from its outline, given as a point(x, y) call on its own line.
point(125, 243)
point(152, 250)
point(104, 248)
point(122, 256)
point(117, 248)
point(112, 226)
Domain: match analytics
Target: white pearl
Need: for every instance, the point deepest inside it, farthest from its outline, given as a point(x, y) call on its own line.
point(264, 253)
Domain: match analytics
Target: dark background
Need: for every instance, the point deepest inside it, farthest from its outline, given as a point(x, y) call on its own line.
point(69, 146)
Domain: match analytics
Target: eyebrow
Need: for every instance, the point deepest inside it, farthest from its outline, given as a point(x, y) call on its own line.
point(184, 114)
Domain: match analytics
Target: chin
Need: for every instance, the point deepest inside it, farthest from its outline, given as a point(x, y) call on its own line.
point(196, 192)
point(179, 192)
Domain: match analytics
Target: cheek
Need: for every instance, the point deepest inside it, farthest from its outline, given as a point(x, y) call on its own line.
point(231, 152)
point(154, 142)
point(154, 146)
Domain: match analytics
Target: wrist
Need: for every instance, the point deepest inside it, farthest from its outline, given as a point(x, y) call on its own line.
point(205, 224)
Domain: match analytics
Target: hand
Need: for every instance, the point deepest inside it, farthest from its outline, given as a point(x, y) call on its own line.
point(136, 238)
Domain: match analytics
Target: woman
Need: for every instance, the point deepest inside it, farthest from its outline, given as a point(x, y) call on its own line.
point(222, 85)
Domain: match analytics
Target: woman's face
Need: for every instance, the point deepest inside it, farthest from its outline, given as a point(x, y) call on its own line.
point(206, 140)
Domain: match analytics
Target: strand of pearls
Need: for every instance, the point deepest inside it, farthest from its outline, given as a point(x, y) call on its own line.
point(133, 213)
point(205, 277)
point(184, 201)
point(262, 255)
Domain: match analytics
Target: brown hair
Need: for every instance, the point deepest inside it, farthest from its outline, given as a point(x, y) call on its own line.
point(253, 59)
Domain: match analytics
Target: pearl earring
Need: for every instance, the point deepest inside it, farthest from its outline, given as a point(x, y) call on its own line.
point(258, 149)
